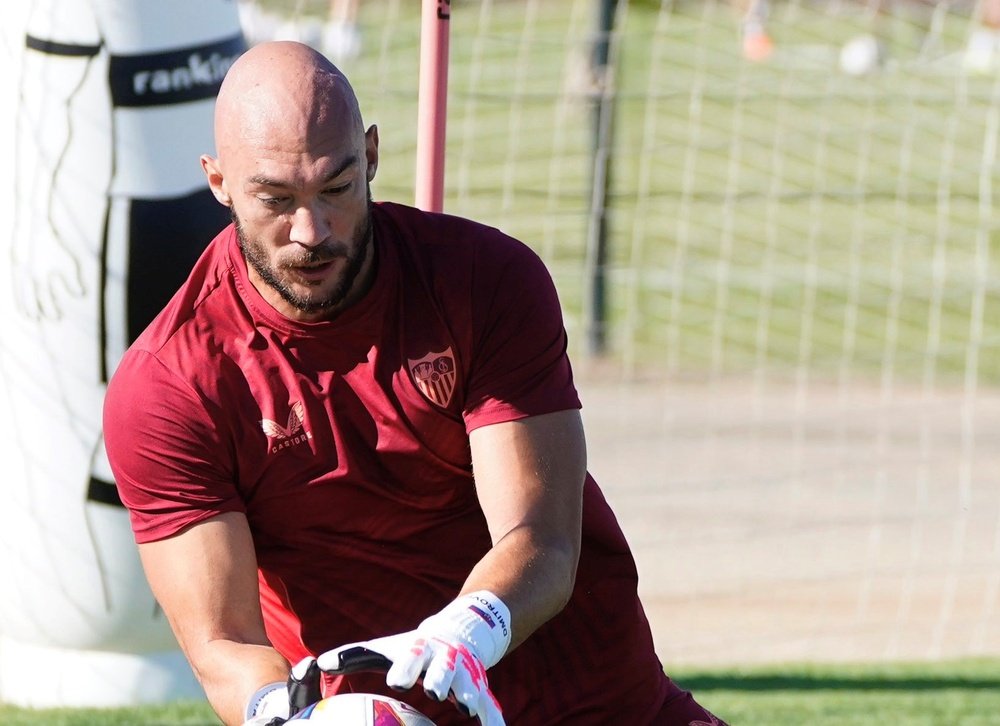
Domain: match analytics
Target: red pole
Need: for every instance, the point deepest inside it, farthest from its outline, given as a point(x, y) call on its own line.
point(432, 104)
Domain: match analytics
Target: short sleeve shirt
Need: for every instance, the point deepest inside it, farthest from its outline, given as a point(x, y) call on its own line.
point(345, 442)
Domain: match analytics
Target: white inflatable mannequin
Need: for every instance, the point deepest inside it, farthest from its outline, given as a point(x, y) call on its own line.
point(107, 105)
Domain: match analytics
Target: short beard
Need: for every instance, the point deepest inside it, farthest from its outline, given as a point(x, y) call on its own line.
point(256, 257)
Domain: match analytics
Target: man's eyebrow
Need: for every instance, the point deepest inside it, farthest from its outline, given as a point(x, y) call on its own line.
point(266, 181)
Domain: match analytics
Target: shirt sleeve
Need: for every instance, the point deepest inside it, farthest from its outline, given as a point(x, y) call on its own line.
point(168, 455)
point(519, 366)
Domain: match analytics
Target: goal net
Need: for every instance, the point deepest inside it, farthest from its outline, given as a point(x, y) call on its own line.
point(797, 408)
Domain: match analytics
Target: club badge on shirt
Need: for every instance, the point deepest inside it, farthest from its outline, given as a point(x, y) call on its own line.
point(434, 376)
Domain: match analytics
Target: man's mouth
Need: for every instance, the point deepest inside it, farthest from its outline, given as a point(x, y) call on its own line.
point(314, 271)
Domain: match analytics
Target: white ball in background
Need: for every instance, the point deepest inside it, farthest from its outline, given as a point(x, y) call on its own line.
point(982, 53)
point(861, 55)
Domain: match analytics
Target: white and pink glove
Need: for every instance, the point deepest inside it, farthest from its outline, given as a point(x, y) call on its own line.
point(450, 650)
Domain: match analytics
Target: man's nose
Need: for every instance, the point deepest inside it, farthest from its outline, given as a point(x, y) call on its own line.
point(309, 227)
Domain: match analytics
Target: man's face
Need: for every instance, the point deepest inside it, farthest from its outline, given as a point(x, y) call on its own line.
point(303, 220)
point(312, 280)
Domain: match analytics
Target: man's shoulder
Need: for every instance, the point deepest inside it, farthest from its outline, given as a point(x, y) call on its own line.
point(452, 240)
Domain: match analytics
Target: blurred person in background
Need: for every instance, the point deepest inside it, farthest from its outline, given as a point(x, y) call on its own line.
point(342, 36)
point(335, 33)
point(756, 42)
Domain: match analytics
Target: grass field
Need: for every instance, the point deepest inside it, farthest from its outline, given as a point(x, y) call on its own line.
point(964, 693)
point(945, 694)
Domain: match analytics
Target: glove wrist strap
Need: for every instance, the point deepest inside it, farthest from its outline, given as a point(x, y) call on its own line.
point(269, 700)
point(484, 622)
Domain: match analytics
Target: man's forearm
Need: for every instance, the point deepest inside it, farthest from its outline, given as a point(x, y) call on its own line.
point(232, 672)
point(535, 589)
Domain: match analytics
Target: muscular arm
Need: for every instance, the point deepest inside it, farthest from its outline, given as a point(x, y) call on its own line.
point(205, 578)
point(529, 479)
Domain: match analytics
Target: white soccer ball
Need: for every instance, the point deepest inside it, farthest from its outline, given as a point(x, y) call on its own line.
point(361, 709)
point(861, 55)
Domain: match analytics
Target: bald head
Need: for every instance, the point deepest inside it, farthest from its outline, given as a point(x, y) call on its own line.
point(294, 166)
point(284, 93)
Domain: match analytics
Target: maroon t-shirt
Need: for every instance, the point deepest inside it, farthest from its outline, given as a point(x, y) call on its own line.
point(346, 445)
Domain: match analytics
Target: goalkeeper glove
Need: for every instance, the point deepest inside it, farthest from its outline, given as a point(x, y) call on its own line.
point(451, 650)
point(275, 703)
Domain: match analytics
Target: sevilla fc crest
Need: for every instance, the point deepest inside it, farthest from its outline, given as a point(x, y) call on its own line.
point(434, 375)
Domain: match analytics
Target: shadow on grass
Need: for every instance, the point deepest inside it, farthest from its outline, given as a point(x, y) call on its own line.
point(819, 682)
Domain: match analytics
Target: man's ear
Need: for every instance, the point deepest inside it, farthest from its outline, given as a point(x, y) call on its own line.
point(371, 151)
point(216, 182)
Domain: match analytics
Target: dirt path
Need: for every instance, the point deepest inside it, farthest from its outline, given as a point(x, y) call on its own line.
point(786, 523)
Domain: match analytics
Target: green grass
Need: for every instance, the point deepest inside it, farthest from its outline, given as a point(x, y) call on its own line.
point(175, 714)
point(951, 693)
point(958, 693)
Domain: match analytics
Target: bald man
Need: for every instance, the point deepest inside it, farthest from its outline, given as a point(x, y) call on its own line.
point(353, 438)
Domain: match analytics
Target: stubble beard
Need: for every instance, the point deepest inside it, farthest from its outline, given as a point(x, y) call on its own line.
point(355, 255)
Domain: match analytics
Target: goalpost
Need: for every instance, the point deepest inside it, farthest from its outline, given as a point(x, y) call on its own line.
point(432, 104)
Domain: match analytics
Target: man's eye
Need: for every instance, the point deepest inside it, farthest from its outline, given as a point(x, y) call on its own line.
point(339, 189)
point(271, 201)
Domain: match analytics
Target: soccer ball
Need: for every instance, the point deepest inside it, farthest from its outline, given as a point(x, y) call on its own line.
point(361, 709)
point(861, 55)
